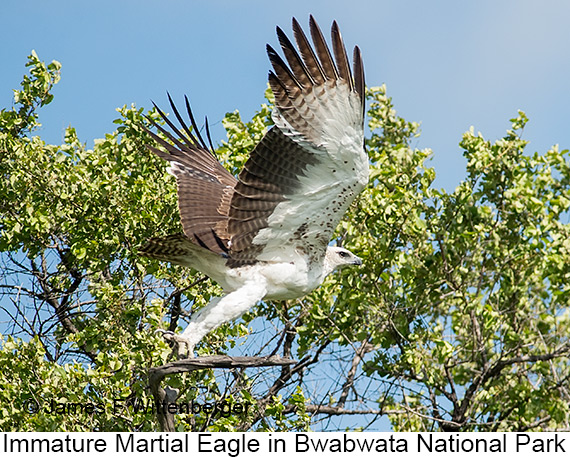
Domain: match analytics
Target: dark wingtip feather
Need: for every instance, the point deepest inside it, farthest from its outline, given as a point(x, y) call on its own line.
point(296, 63)
point(322, 49)
point(193, 122)
point(309, 57)
point(359, 82)
point(280, 32)
point(282, 71)
point(212, 149)
point(182, 123)
point(165, 132)
point(342, 64)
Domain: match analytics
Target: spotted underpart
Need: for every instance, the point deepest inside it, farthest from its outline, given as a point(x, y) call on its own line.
point(272, 173)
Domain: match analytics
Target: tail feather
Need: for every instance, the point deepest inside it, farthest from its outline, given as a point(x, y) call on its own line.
point(173, 248)
point(181, 250)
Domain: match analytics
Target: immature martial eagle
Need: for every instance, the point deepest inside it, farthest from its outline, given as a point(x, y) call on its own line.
point(266, 233)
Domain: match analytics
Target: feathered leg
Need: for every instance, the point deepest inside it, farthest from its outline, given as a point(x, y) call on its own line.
point(218, 311)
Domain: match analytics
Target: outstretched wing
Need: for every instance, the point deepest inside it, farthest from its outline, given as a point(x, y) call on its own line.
point(301, 177)
point(305, 172)
point(205, 187)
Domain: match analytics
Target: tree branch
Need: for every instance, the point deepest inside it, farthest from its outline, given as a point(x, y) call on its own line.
point(169, 395)
point(364, 348)
point(61, 311)
point(495, 370)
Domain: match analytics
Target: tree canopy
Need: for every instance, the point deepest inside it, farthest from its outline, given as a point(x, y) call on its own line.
point(458, 320)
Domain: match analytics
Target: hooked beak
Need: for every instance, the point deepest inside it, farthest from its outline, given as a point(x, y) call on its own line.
point(357, 261)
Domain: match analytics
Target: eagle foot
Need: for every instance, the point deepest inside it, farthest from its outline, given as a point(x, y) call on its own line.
point(182, 347)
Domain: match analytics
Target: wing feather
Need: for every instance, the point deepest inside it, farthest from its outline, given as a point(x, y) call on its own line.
point(301, 177)
point(296, 63)
point(340, 55)
point(286, 76)
point(305, 49)
point(322, 50)
point(205, 187)
point(359, 75)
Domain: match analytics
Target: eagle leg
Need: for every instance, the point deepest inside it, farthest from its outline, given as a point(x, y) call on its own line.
point(217, 312)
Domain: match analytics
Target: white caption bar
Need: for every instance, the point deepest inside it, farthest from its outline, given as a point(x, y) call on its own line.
point(305, 444)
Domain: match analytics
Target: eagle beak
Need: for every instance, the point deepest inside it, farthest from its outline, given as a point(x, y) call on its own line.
point(357, 261)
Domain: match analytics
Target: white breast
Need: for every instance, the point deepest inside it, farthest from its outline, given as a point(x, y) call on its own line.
point(284, 280)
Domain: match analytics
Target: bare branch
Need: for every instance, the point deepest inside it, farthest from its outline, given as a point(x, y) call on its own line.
point(169, 395)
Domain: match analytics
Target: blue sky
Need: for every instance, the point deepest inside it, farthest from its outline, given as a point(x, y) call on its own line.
point(447, 64)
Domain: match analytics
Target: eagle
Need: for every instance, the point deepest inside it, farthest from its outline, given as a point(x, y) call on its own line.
point(266, 234)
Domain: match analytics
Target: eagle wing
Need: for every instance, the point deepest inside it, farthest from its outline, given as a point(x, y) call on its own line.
point(205, 187)
point(307, 169)
point(300, 178)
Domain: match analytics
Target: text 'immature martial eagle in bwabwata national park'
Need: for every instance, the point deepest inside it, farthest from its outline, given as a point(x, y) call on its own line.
point(265, 235)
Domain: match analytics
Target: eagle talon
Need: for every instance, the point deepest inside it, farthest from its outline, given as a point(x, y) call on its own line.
point(178, 342)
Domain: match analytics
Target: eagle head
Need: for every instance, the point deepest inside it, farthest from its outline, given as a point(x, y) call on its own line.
point(337, 257)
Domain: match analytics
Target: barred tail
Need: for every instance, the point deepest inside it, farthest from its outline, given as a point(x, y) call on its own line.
point(173, 248)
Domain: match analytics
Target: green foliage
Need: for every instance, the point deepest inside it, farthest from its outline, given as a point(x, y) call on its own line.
point(471, 289)
point(458, 319)
point(35, 93)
